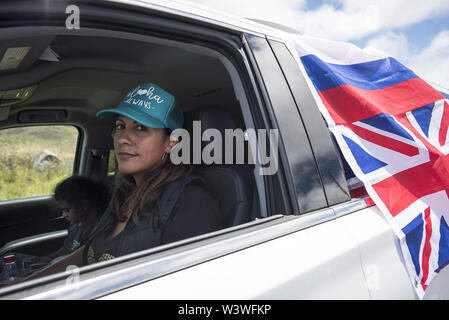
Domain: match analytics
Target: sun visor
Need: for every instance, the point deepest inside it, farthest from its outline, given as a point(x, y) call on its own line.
point(17, 55)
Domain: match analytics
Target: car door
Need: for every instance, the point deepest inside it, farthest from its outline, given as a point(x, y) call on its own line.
point(342, 259)
point(308, 255)
point(301, 245)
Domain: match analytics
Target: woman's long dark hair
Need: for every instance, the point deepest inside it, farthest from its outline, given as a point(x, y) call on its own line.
point(130, 200)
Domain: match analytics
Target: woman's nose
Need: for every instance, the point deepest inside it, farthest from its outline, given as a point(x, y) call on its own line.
point(123, 136)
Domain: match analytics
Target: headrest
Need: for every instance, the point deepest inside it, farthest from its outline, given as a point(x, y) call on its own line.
point(211, 117)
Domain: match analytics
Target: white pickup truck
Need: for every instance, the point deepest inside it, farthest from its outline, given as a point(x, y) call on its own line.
point(296, 234)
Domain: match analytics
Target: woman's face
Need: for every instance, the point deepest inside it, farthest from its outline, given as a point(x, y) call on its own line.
point(138, 149)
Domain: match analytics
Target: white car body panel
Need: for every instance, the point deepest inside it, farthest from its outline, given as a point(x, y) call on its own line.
point(439, 287)
point(380, 255)
point(208, 15)
point(290, 268)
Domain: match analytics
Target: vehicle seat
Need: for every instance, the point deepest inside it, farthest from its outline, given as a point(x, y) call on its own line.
point(233, 184)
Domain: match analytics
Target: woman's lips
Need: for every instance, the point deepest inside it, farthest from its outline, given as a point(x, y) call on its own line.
point(126, 155)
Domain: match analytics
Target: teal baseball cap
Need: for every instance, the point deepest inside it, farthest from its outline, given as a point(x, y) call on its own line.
point(149, 105)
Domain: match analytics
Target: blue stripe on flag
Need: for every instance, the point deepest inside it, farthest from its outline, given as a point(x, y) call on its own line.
point(423, 115)
point(385, 122)
point(443, 255)
point(370, 75)
point(365, 161)
point(413, 238)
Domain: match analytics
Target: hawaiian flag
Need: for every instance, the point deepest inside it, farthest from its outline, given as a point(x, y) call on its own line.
point(392, 128)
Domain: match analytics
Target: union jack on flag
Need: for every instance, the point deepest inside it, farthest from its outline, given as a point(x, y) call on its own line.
point(392, 128)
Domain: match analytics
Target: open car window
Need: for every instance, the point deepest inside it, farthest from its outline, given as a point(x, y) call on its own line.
point(33, 159)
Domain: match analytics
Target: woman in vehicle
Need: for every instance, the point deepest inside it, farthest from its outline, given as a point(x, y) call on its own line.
point(155, 202)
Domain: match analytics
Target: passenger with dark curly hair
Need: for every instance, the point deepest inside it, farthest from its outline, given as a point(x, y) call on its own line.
point(82, 201)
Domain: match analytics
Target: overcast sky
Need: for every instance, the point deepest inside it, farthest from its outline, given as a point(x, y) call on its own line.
point(415, 32)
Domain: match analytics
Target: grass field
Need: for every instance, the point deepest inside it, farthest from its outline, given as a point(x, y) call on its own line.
point(19, 148)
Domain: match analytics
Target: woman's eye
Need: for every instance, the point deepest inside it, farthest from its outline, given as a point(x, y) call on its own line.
point(118, 127)
point(141, 128)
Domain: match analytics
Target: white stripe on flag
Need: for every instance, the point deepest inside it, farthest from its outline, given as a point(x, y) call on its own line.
point(435, 244)
point(434, 128)
point(335, 52)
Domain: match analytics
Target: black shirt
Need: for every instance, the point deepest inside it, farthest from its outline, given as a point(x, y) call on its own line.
point(78, 234)
point(185, 209)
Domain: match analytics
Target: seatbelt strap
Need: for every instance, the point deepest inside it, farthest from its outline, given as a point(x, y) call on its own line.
point(97, 164)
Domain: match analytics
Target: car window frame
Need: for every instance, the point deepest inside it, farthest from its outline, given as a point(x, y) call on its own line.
point(324, 148)
point(298, 154)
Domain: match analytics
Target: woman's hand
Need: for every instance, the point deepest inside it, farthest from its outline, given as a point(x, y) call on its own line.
point(76, 258)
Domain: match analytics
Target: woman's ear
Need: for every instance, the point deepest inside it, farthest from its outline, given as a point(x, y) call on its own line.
point(173, 141)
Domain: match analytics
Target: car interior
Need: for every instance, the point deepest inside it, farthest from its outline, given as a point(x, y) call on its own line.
point(53, 77)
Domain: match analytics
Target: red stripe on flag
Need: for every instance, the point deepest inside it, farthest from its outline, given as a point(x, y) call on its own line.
point(347, 104)
point(444, 124)
point(369, 202)
point(385, 141)
point(402, 189)
point(358, 192)
point(427, 248)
